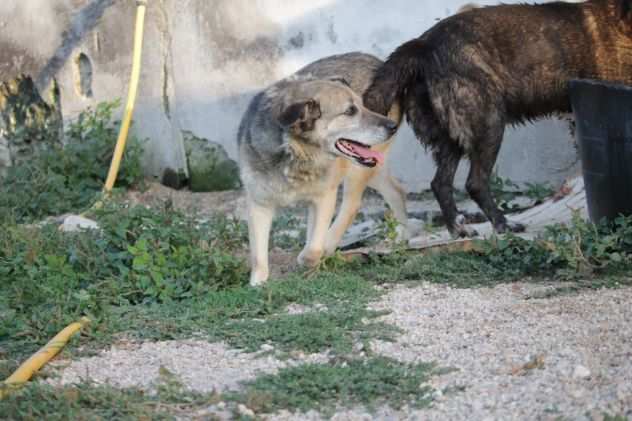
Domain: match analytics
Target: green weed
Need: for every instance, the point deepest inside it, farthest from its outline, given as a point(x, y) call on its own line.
point(63, 179)
point(324, 387)
point(140, 256)
point(506, 191)
point(334, 329)
point(91, 402)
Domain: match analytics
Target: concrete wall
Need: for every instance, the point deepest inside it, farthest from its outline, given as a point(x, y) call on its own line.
point(204, 60)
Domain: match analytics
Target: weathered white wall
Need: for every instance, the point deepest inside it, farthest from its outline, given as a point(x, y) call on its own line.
point(205, 59)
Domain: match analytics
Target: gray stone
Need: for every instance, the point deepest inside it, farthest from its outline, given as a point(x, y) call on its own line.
point(243, 410)
point(210, 168)
point(581, 373)
point(75, 223)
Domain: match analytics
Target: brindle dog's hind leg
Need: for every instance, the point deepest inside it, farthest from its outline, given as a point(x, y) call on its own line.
point(483, 158)
point(447, 156)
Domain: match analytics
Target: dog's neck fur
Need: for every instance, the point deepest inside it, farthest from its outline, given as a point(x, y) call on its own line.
point(304, 162)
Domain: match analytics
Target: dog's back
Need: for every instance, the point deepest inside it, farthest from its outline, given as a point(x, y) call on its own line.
point(470, 75)
point(355, 69)
point(523, 54)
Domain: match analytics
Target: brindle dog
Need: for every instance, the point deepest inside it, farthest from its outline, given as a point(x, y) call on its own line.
point(472, 74)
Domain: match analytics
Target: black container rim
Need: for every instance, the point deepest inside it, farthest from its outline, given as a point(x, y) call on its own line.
point(595, 82)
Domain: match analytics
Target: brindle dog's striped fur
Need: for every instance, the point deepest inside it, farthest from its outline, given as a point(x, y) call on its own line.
point(470, 75)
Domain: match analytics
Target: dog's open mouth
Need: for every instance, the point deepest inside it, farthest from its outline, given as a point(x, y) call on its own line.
point(360, 152)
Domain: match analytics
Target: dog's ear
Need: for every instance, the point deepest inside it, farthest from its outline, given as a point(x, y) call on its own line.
point(301, 116)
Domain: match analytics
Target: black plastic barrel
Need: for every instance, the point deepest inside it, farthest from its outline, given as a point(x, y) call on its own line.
point(603, 118)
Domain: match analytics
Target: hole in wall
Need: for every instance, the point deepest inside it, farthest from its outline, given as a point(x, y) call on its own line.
point(83, 76)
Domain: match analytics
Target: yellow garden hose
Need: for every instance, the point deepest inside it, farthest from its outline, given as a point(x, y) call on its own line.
point(24, 373)
point(131, 96)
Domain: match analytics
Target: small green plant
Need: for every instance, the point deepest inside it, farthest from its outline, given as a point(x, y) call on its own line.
point(324, 387)
point(92, 402)
point(609, 417)
point(63, 179)
point(141, 256)
point(506, 191)
point(334, 329)
point(538, 192)
point(388, 229)
point(288, 232)
point(565, 252)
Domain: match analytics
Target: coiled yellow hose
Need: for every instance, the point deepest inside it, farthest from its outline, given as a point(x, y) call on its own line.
point(26, 371)
point(31, 366)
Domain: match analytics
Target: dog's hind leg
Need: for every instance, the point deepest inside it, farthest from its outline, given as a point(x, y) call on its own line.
point(354, 187)
point(483, 158)
point(321, 212)
point(395, 196)
point(447, 156)
point(259, 224)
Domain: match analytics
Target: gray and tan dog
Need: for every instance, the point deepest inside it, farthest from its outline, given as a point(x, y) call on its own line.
point(298, 141)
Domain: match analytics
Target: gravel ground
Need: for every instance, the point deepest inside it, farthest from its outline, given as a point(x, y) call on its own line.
point(200, 366)
point(517, 357)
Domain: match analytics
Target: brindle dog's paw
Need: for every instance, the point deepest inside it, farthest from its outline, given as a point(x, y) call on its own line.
point(462, 230)
point(509, 226)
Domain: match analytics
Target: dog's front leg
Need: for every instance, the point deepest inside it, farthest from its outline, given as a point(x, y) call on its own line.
point(321, 212)
point(355, 184)
point(259, 224)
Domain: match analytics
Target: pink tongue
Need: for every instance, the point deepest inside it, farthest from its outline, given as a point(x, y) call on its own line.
point(367, 153)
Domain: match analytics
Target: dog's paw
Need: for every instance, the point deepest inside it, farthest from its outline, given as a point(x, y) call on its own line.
point(330, 248)
point(310, 258)
point(403, 234)
point(258, 277)
point(461, 229)
point(509, 226)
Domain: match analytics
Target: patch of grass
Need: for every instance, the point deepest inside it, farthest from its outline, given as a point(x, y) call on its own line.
point(159, 275)
point(333, 329)
point(597, 255)
point(324, 387)
point(141, 257)
point(506, 191)
point(538, 192)
point(609, 417)
point(248, 318)
point(68, 178)
point(38, 401)
point(288, 231)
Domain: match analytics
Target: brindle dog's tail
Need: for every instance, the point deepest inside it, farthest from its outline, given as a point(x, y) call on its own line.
point(398, 72)
point(624, 8)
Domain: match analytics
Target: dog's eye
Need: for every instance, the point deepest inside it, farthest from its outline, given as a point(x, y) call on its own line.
point(351, 111)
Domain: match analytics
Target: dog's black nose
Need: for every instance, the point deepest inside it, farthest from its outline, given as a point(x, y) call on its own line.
point(391, 126)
